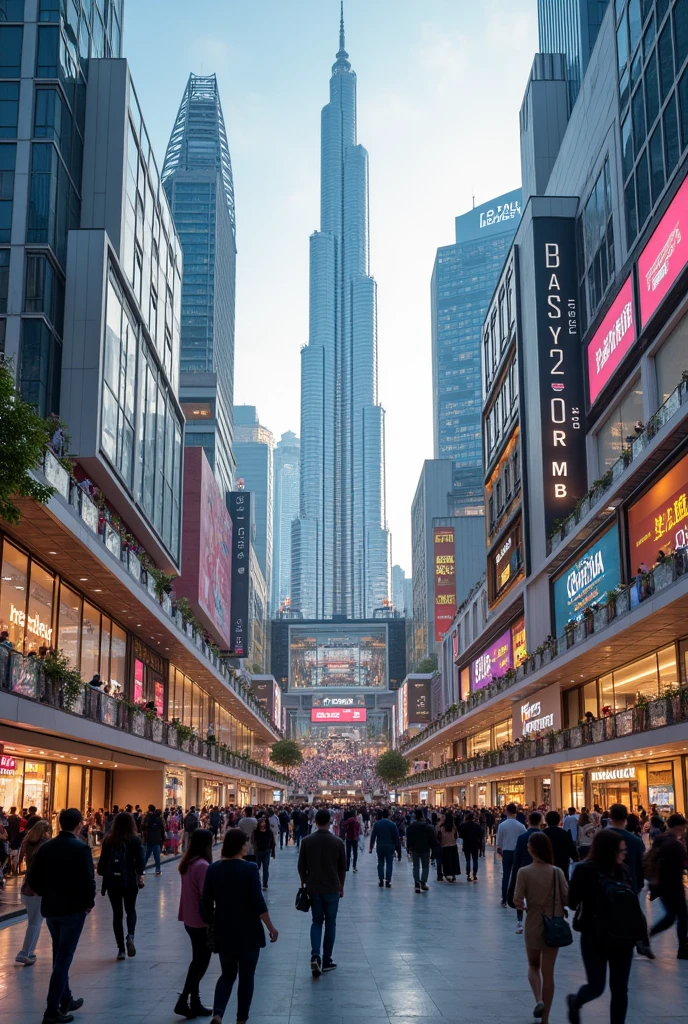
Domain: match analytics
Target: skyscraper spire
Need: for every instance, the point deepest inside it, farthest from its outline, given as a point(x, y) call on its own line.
point(342, 55)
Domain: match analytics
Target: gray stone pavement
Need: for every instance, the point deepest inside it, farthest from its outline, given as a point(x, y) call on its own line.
point(451, 956)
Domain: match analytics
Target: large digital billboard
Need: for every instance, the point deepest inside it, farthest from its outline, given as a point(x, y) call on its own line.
point(239, 503)
point(418, 701)
point(335, 654)
point(334, 715)
point(664, 256)
point(611, 341)
point(268, 693)
point(492, 663)
point(659, 520)
point(587, 580)
point(445, 579)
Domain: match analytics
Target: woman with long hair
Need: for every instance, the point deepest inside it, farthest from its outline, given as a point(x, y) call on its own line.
point(587, 830)
point(542, 889)
point(193, 867)
point(264, 846)
point(448, 835)
point(34, 838)
point(233, 903)
point(121, 868)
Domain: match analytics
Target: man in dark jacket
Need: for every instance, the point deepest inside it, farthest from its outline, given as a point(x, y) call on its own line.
point(563, 847)
point(62, 875)
point(671, 859)
point(283, 827)
point(635, 847)
point(386, 835)
point(421, 839)
point(153, 829)
point(472, 837)
point(322, 870)
point(521, 859)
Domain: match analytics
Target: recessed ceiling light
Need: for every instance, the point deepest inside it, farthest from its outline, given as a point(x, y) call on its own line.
point(52, 552)
point(18, 588)
point(97, 590)
point(83, 579)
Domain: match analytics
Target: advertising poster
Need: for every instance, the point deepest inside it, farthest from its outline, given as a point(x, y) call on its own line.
point(659, 520)
point(418, 701)
point(611, 341)
point(492, 663)
point(337, 715)
point(518, 641)
point(664, 256)
point(539, 713)
point(587, 580)
point(240, 511)
point(445, 579)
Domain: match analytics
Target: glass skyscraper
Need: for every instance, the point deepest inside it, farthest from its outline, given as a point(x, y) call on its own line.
point(253, 450)
point(340, 543)
point(570, 27)
point(287, 459)
point(463, 280)
point(197, 175)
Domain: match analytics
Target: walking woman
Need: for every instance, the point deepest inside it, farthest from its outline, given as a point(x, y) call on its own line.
point(587, 830)
point(35, 837)
point(121, 868)
point(610, 922)
point(233, 903)
point(541, 888)
point(193, 867)
point(448, 836)
point(264, 847)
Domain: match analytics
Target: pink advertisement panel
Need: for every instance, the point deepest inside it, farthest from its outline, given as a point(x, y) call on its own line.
point(611, 341)
point(338, 715)
point(492, 663)
point(664, 256)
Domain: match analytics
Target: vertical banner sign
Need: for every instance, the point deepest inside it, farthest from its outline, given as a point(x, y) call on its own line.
point(562, 398)
point(445, 579)
point(240, 511)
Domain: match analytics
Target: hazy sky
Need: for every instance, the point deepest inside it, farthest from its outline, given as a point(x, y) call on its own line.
point(440, 85)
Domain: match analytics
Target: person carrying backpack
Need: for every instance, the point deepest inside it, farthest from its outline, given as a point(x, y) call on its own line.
point(610, 921)
point(191, 823)
point(121, 868)
point(153, 830)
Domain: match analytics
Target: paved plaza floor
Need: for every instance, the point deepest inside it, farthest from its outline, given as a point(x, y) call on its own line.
point(451, 955)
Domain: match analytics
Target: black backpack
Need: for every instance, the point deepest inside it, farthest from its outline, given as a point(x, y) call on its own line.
point(621, 919)
point(119, 872)
point(154, 830)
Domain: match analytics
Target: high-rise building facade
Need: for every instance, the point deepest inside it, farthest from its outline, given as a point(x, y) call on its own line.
point(570, 27)
point(340, 547)
point(197, 176)
point(287, 458)
point(253, 450)
point(463, 280)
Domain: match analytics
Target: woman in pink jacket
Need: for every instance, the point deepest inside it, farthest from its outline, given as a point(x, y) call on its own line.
point(192, 868)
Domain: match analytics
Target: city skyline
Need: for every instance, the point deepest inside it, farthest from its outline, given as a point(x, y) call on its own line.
point(446, 52)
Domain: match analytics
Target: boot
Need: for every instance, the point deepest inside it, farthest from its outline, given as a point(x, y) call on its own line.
point(197, 1008)
point(182, 1007)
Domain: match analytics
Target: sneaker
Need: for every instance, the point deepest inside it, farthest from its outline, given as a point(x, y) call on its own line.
point(519, 928)
point(121, 955)
point(424, 887)
point(329, 965)
point(355, 871)
point(645, 949)
point(30, 960)
point(131, 948)
point(181, 1008)
point(573, 1011)
point(504, 903)
point(265, 888)
point(57, 1018)
point(468, 877)
point(381, 883)
point(388, 885)
point(158, 872)
point(316, 966)
point(72, 1005)
point(539, 1009)
point(418, 889)
point(475, 878)
point(20, 958)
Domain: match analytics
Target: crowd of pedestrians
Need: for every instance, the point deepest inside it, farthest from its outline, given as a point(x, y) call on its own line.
point(338, 770)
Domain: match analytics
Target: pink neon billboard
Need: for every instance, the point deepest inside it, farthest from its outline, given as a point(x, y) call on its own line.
point(664, 256)
point(611, 341)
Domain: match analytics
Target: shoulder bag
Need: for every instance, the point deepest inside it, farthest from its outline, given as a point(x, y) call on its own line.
point(303, 900)
point(557, 932)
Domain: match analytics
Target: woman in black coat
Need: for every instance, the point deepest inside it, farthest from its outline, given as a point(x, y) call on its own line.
point(121, 868)
point(233, 904)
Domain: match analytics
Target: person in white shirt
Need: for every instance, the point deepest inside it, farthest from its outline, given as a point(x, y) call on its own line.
point(571, 823)
point(507, 834)
point(248, 824)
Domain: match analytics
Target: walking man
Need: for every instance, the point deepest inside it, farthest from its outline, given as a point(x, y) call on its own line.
point(507, 834)
point(420, 840)
point(153, 834)
point(351, 830)
point(386, 835)
point(669, 853)
point(62, 875)
point(322, 870)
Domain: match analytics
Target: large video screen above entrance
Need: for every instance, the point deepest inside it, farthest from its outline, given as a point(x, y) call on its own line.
point(337, 654)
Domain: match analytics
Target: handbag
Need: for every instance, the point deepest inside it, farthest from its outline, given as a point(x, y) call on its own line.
point(303, 900)
point(557, 932)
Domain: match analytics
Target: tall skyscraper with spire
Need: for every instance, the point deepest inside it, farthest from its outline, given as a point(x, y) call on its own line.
point(340, 542)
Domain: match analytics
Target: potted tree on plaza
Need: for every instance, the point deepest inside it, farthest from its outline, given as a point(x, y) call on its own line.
point(392, 767)
point(286, 754)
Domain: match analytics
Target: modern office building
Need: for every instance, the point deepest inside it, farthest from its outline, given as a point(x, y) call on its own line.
point(287, 459)
point(463, 280)
point(87, 572)
point(197, 177)
point(570, 27)
point(401, 587)
point(587, 576)
point(253, 450)
point(340, 542)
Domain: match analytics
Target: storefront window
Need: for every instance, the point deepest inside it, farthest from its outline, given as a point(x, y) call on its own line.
point(479, 744)
point(159, 698)
point(611, 437)
point(60, 793)
point(11, 787)
point(90, 641)
point(118, 657)
point(174, 788)
point(39, 621)
point(670, 360)
point(138, 681)
point(635, 680)
point(502, 733)
point(590, 702)
point(660, 787)
point(105, 631)
point(572, 790)
point(606, 687)
point(74, 788)
point(668, 674)
point(571, 699)
point(13, 584)
point(510, 791)
point(68, 624)
point(37, 786)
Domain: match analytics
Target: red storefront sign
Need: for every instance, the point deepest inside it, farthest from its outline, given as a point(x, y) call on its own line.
point(659, 520)
point(611, 341)
point(664, 256)
point(8, 765)
point(445, 579)
point(325, 715)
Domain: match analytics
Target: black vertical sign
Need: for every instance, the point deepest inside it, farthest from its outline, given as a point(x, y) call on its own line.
point(239, 505)
point(560, 363)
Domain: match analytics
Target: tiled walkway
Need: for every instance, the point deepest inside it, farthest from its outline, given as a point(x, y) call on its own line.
point(451, 955)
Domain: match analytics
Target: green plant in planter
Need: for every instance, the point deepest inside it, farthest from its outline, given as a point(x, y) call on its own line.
point(162, 581)
point(184, 609)
point(57, 669)
point(184, 732)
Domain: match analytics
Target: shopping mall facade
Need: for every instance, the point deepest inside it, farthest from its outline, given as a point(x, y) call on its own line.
point(567, 668)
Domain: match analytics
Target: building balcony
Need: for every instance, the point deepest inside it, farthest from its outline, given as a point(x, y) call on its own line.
point(632, 623)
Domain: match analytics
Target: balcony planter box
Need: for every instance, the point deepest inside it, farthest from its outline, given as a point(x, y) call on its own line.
point(56, 475)
point(112, 540)
point(601, 617)
point(580, 632)
point(618, 468)
point(89, 513)
point(623, 602)
point(172, 740)
point(664, 574)
point(624, 723)
point(584, 509)
point(576, 736)
point(569, 637)
point(185, 745)
point(138, 723)
point(167, 604)
point(150, 586)
point(188, 629)
point(134, 565)
point(556, 539)
point(657, 714)
point(597, 731)
point(559, 743)
point(156, 730)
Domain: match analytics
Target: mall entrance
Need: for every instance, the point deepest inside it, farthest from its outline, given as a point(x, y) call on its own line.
point(626, 792)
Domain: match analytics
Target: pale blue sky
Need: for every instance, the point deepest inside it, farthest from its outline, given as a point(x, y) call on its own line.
point(440, 84)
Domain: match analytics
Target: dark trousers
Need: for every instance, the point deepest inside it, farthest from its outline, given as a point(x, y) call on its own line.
point(385, 862)
point(263, 861)
point(232, 963)
point(65, 932)
point(675, 907)
point(351, 847)
point(153, 848)
point(324, 907)
point(507, 864)
point(284, 837)
point(421, 866)
point(123, 901)
point(595, 960)
point(200, 958)
point(471, 855)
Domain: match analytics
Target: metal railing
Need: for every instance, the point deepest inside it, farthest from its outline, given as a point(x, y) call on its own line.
point(670, 709)
point(24, 677)
point(622, 603)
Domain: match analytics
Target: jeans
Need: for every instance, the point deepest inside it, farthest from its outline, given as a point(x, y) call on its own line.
point(421, 867)
point(123, 901)
point(351, 847)
point(595, 959)
point(200, 958)
point(471, 855)
point(675, 907)
point(385, 862)
point(33, 924)
point(65, 931)
point(324, 907)
point(232, 963)
point(284, 832)
point(263, 861)
point(153, 848)
point(507, 862)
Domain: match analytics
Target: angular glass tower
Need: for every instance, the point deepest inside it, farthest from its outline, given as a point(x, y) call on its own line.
point(285, 510)
point(570, 27)
point(197, 176)
point(340, 543)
